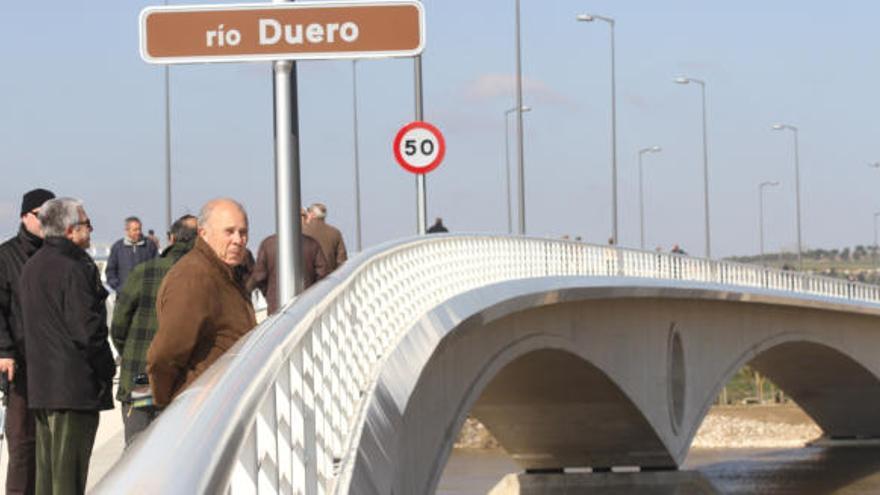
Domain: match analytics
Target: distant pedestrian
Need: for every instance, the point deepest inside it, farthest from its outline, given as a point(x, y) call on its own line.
point(20, 427)
point(264, 276)
point(328, 236)
point(151, 235)
point(202, 310)
point(676, 249)
point(438, 227)
point(70, 365)
point(135, 322)
point(127, 253)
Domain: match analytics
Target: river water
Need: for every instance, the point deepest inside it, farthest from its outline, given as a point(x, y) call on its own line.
point(847, 470)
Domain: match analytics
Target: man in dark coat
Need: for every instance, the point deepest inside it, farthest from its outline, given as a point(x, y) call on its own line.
point(127, 253)
point(328, 236)
point(202, 308)
point(264, 275)
point(438, 227)
point(20, 427)
point(70, 365)
point(135, 322)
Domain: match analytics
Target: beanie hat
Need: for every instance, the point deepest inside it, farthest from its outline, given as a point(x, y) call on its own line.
point(34, 199)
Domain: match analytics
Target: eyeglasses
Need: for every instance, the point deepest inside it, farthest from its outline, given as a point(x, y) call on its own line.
point(87, 223)
point(35, 213)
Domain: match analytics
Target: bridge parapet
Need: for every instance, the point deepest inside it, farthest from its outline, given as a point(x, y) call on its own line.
point(283, 411)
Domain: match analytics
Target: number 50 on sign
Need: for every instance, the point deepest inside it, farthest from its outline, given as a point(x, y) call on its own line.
point(419, 147)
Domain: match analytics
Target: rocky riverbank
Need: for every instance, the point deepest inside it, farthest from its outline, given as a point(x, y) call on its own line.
point(753, 426)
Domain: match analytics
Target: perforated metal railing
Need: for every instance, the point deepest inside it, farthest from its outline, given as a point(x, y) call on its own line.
point(302, 379)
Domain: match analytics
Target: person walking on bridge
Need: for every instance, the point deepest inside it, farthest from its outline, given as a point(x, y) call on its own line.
point(135, 323)
point(20, 427)
point(70, 366)
point(127, 253)
point(328, 236)
point(201, 307)
point(265, 272)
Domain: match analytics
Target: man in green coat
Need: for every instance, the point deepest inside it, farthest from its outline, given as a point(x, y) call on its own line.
point(135, 322)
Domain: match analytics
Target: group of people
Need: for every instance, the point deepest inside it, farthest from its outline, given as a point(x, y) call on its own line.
point(175, 314)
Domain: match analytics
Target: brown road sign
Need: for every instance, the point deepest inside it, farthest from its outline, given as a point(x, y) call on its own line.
point(291, 31)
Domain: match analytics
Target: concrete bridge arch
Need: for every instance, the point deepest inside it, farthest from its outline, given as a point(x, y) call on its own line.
point(361, 383)
point(580, 372)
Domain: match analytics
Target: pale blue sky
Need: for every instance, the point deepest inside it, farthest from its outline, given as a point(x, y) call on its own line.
point(82, 114)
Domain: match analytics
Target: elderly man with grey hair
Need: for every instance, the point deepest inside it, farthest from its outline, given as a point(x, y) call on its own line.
point(70, 365)
point(202, 305)
point(328, 236)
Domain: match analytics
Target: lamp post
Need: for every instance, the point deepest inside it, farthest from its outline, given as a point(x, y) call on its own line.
point(688, 80)
point(519, 129)
point(507, 163)
point(876, 214)
point(167, 146)
point(357, 172)
point(761, 187)
point(797, 187)
point(610, 22)
point(652, 149)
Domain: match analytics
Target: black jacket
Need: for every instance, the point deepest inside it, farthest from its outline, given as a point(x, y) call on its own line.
point(13, 255)
point(70, 365)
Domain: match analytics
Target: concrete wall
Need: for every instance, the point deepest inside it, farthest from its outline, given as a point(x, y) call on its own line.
point(573, 372)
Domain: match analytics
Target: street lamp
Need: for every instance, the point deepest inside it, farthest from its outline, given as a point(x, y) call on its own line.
point(357, 173)
point(797, 186)
point(652, 149)
point(167, 74)
point(507, 162)
point(761, 187)
point(688, 80)
point(610, 22)
point(519, 128)
point(876, 214)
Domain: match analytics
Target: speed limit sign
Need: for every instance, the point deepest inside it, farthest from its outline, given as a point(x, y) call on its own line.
point(419, 147)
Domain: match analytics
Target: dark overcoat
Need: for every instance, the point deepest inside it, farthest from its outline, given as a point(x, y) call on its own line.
point(70, 365)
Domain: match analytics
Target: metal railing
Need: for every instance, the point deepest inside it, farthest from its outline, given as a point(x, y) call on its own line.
point(283, 410)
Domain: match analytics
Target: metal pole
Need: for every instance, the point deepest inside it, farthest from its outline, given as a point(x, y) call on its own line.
point(876, 214)
point(641, 204)
point(507, 163)
point(168, 220)
point(706, 172)
point(287, 186)
point(797, 179)
point(357, 173)
point(614, 213)
point(761, 220)
point(421, 200)
point(519, 129)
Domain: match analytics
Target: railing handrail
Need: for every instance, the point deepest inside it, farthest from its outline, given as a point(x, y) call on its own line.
point(209, 426)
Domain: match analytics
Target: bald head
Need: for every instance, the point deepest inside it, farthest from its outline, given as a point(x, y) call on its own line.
point(223, 225)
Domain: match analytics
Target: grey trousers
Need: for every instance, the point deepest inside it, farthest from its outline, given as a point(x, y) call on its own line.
point(136, 420)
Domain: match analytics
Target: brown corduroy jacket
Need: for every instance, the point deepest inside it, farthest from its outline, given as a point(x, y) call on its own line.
point(202, 312)
point(263, 276)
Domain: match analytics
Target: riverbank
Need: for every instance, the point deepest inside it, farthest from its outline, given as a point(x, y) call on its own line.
point(752, 426)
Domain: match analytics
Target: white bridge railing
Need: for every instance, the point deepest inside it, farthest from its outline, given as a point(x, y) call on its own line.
point(282, 411)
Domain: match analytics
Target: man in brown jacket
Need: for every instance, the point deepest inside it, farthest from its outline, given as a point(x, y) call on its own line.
point(265, 273)
point(327, 236)
point(202, 308)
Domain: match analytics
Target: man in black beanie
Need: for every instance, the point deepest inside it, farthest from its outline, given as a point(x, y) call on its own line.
point(20, 428)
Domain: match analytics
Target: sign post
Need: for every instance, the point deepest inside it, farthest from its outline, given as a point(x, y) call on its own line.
point(282, 32)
